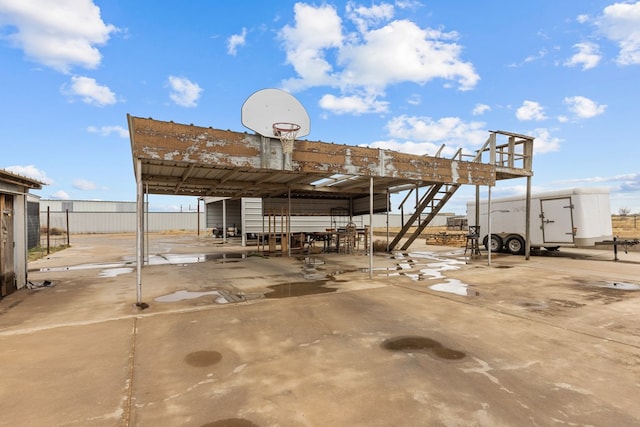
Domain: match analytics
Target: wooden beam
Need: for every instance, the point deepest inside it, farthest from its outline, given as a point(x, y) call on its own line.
point(167, 141)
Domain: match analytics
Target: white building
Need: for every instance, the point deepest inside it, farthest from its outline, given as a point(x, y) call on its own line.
point(95, 216)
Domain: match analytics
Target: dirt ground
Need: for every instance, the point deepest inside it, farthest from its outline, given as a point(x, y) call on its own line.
point(232, 337)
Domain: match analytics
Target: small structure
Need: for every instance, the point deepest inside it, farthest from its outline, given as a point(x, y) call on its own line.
point(14, 191)
point(178, 159)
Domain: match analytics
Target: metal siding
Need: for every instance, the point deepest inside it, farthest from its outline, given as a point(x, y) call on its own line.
point(361, 205)
point(121, 222)
point(87, 206)
point(253, 220)
point(215, 214)
point(303, 206)
point(252, 215)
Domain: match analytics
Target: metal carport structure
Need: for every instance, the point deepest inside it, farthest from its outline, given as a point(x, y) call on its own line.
point(179, 159)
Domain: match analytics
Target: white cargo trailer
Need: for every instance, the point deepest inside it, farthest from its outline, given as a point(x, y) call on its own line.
point(574, 217)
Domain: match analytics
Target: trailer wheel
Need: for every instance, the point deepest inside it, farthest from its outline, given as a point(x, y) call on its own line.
point(496, 243)
point(515, 245)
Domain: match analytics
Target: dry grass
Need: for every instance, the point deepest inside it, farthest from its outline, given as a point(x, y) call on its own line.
point(626, 226)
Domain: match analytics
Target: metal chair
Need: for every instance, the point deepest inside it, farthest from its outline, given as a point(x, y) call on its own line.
point(473, 244)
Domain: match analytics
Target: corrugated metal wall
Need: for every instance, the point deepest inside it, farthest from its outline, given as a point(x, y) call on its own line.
point(86, 206)
point(233, 216)
point(120, 217)
point(91, 216)
point(121, 222)
point(303, 206)
point(380, 204)
point(253, 221)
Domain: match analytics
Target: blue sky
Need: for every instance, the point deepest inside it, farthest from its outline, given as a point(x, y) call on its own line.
point(405, 75)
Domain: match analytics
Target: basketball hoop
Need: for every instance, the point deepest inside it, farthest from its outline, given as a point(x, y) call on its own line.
point(287, 133)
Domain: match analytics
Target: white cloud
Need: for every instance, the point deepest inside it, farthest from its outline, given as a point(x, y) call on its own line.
point(530, 110)
point(376, 55)
point(236, 40)
point(582, 19)
point(540, 55)
point(588, 56)
point(423, 135)
point(59, 34)
point(544, 142)
point(403, 52)
point(627, 177)
point(90, 91)
point(445, 130)
point(352, 104)
point(184, 92)
point(84, 185)
point(414, 99)
point(620, 23)
point(30, 171)
point(60, 195)
point(316, 29)
point(109, 130)
point(363, 17)
point(622, 183)
point(410, 147)
point(480, 109)
point(584, 108)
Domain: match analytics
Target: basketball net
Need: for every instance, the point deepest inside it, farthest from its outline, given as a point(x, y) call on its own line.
point(287, 133)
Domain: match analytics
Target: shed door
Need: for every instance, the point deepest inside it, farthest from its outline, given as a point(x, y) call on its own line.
point(557, 220)
point(7, 272)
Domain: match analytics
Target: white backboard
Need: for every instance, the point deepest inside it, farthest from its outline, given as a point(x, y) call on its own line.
point(268, 106)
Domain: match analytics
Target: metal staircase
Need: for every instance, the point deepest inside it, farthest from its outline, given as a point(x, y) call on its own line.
point(432, 202)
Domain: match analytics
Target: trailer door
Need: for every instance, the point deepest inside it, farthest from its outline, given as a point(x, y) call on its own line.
point(557, 220)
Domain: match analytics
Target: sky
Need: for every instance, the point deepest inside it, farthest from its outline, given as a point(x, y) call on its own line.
point(405, 75)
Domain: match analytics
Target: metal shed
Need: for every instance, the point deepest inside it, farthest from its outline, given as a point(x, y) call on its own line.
point(14, 190)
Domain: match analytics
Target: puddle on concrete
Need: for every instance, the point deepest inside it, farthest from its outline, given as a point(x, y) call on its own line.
point(202, 358)
point(417, 344)
point(298, 289)
point(312, 262)
point(231, 422)
point(622, 286)
point(313, 275)
point(534, 305)
point(454, 286)
point(425, 265)
point(85, 267)
point(164, 259)
point(113, 272)
point(186, 295)
point(178, 259)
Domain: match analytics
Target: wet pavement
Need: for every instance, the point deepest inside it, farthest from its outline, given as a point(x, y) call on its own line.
point(234, 338)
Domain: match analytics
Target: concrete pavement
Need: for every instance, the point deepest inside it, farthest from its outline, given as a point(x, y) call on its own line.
point(429, 341)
